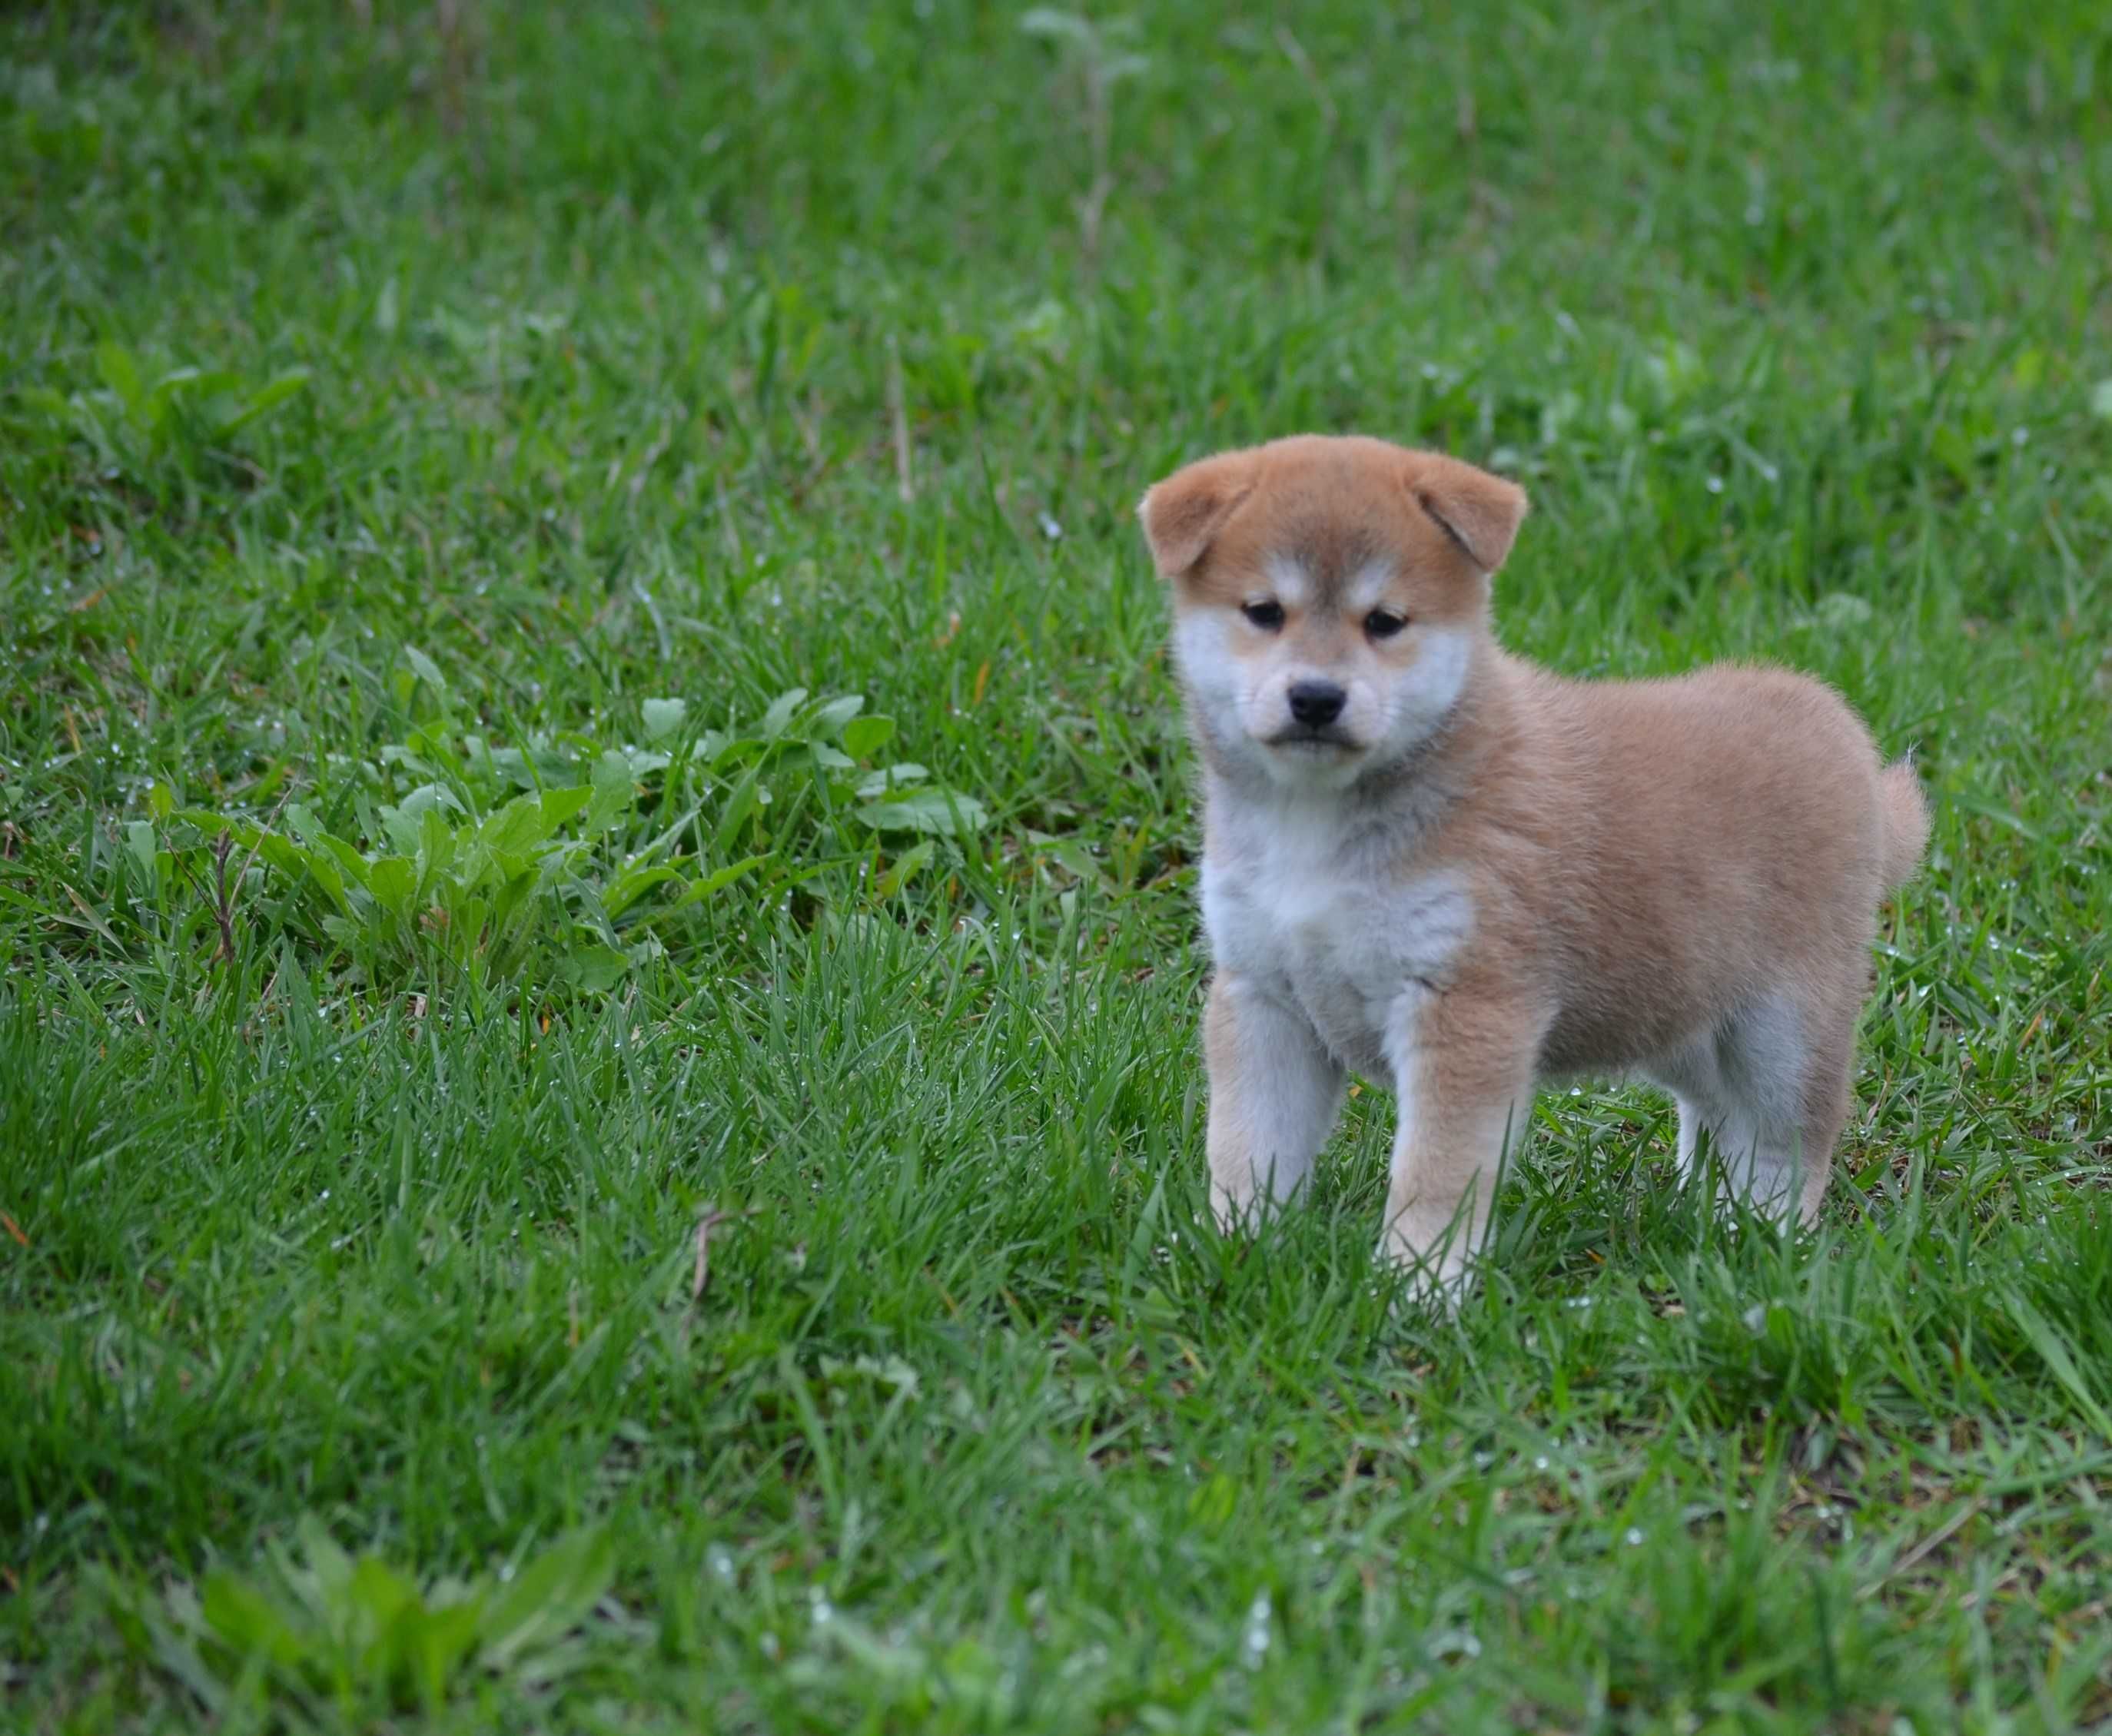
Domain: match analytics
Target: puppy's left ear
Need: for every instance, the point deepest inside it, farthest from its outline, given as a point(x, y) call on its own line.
point(1479, 513)
point(1183, 515)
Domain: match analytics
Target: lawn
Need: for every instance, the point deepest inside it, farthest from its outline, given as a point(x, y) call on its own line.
point(600, 1109)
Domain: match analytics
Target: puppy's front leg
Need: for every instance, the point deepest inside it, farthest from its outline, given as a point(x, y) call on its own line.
point(1462, 1063)
point(1274, 1094)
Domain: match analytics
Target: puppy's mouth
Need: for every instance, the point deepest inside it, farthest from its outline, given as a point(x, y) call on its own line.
point(1305, 738)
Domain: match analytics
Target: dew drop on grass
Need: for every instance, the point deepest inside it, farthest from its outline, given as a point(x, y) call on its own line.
point(1635, 1537)
point(1253, 1646)
point(719, 1559)
point(1456, 1642)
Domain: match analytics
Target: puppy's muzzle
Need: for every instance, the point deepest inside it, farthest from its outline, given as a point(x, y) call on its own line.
point(1316, 708)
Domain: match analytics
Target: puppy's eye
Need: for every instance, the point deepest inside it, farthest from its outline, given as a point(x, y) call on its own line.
point(1268, 616)
point(1383, 623)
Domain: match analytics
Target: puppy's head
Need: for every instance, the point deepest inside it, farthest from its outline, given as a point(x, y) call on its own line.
point(1328, 596)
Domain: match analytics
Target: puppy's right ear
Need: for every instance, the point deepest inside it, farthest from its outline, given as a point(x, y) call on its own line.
point(1184, 513)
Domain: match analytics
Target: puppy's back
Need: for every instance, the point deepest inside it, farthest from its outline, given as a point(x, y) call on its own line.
point(1743, 763)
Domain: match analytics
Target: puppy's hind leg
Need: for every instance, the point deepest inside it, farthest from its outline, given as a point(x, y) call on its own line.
point(1274, 1094)
point(1827, 1090)
point(1707, 1105)
point(1785, 1063)
point(1690, 1074)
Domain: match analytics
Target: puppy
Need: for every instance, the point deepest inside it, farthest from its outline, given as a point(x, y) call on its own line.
point(1431, 863)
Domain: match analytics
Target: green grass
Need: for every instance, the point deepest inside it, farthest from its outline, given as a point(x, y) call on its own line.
point(558, 361)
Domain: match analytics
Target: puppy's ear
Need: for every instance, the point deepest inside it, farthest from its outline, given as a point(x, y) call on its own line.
point(1480, 513)
point(1184, 513)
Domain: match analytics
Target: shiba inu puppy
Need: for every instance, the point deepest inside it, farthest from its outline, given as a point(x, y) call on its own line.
point(1439, 866)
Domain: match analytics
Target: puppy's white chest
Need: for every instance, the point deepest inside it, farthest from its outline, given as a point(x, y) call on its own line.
point(1292, 906)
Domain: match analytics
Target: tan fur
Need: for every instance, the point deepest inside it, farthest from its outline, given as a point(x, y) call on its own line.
point(1479, 873)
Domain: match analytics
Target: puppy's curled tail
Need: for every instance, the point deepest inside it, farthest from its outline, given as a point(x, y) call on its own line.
point(1902, 822)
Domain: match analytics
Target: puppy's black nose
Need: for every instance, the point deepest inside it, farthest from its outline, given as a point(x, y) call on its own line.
point(1316, 703)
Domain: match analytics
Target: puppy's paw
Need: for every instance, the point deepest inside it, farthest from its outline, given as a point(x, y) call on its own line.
point(1435, 1279)
point(1244, 1212)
